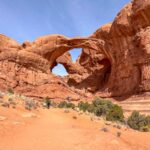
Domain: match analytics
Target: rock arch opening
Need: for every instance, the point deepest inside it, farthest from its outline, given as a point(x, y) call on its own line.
point(75, 53)
point(59, 70)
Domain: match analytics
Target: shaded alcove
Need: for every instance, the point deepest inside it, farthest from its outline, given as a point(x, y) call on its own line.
point(106, 70)
point(97, 80)
point(59, 70)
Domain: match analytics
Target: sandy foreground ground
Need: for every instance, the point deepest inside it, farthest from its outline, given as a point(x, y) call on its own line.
point(56, 130)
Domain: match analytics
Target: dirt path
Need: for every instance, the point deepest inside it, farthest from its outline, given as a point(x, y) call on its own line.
point(56, 130)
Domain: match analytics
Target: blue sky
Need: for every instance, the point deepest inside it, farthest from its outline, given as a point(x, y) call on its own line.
point(29, 19)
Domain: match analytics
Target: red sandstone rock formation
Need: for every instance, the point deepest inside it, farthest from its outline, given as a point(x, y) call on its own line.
point(127, 42)
point(115, 60)
point(27, 68)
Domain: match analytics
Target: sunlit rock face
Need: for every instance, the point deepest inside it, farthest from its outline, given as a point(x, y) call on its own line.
point(126, 70)
point(115, 60)
point(27, 68)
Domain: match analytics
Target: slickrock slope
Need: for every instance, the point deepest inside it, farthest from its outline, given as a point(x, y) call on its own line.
point(115, 60)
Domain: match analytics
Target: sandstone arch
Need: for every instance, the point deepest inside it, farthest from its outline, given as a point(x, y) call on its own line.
point(53, 46)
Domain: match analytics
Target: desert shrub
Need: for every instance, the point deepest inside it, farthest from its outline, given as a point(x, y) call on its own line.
point(83, 106)
point(54, 104)
point(98, 111)
point(101, 106)
point(139, 122)
point(101, 102)
point(70, 105)
point(147, 120)
point(64, 104)
point(10, 99)
point(30, 104)
point(115, 114)
point(145, 128)
point(91, 108)
point(10, 91)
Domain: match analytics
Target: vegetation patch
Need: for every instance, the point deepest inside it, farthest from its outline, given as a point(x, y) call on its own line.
point(139, 122)
point(101, 107)
point(115, 114)
point(64, 104)
point(98, 107)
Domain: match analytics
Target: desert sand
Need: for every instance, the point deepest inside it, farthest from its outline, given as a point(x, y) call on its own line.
point(54, 129)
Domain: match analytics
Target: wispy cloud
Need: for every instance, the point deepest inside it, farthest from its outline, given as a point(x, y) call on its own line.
point(29, 19)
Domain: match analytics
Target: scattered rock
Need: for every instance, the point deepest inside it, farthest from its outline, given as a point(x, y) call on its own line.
point(116, 142)
point(74, 117)
point(117, 126)
point(2, 118)
point(5, 104)
point(66, 111)
point(1, 101)
point(29, 115)
point(118, 134)
point(18, 123)
point(104, 129)
point(107, 123)
point(80, 113)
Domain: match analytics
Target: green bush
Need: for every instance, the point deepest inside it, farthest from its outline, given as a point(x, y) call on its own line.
point(10, 91)
point(139, 122)
point(83, 106)
point(102, 102)
point(102, 106)
point(99, 106)
point(115, 114)
point(145, 128)
point(64, 104)
point(99, 111)
point(54, 104)
point(91, 108)
point(70, 105)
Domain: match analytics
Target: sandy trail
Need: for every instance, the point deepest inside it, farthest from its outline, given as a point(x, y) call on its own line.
point(56, 130)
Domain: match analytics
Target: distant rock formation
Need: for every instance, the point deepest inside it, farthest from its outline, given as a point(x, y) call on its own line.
point(115, 60)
